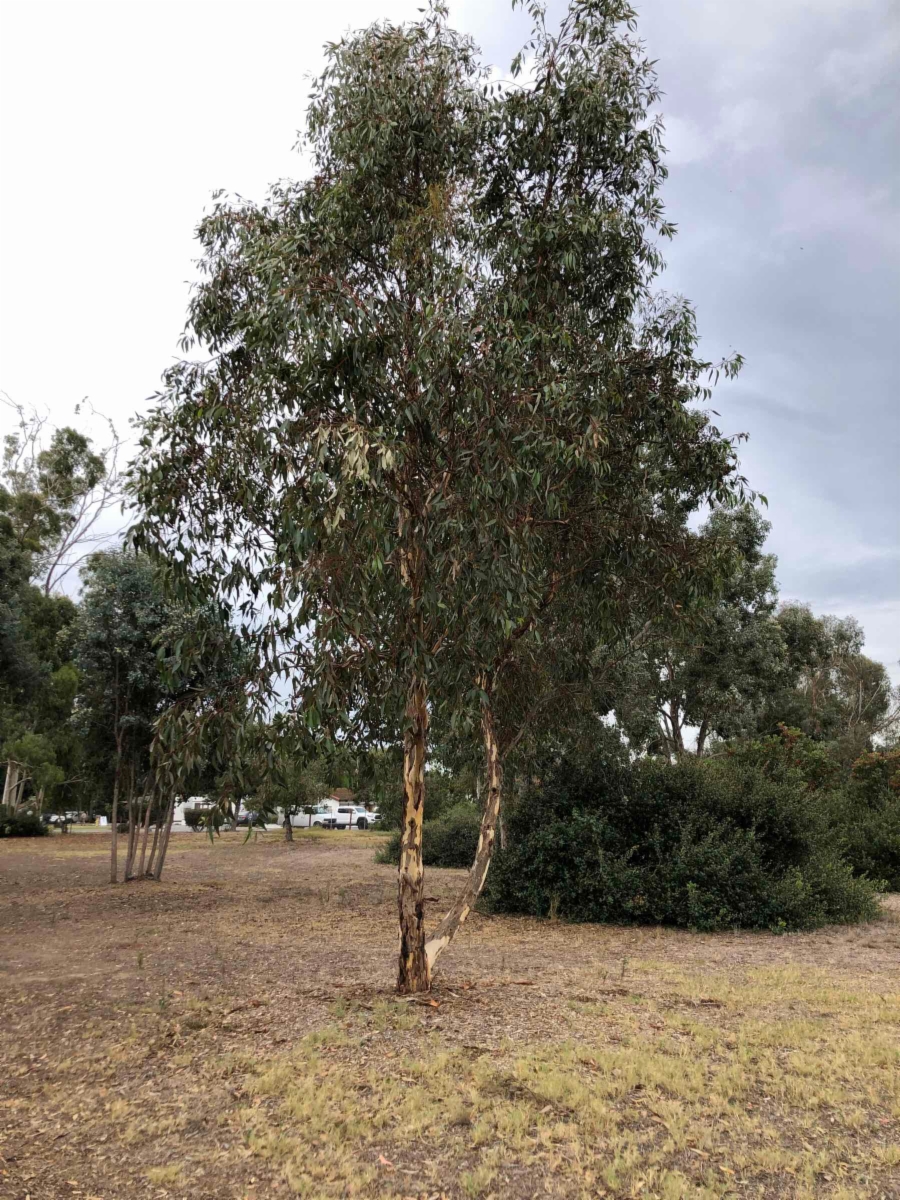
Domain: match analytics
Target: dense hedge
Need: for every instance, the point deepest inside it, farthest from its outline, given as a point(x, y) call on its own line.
point(450, 840)
point(739, 841)
point(23, 824)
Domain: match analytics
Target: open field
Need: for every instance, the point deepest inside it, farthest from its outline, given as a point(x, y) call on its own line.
point(232, 1032)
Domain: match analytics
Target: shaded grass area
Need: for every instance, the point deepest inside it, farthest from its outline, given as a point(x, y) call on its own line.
point(233, 1034)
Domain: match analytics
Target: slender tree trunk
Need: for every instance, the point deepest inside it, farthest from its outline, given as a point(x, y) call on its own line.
point(132, 831)
point(288, 828)
point(9, 784)
point(501, 821)
point(478, 873)
point(40, 800)
point(701, 736)
point(114, 846)
point(164, 839)
point(156, 825)
point(414, 973)
point(146, 835)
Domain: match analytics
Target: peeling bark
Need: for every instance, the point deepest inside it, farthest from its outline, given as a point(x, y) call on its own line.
point(466, 900)
point(414, 973)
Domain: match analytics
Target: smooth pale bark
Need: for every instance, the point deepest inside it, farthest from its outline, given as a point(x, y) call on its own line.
point(414, 972)
point(9, 783)
point(466, 900)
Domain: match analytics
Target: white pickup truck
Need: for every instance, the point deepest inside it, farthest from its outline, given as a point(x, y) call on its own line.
point(335, 816)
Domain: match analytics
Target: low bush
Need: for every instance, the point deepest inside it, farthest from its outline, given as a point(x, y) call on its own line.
point(24, 824)
point(738, 841)
point(450, 840)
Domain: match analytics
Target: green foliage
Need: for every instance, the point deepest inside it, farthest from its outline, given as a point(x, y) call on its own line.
point(436, 385)
point(864, 815)
point(449, 840)
point(22, 824)
point(713, 661)
point(831, 690)
point(708, 844)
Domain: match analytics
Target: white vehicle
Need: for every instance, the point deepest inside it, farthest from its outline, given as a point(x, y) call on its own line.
point(354, 816)
point(321, 817)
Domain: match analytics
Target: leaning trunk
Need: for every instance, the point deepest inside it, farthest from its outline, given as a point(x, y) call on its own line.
point(478, 873)
point(414, 974)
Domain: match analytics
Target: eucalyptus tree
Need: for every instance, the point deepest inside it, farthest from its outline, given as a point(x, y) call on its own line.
point(715, 667)
point(433, 381)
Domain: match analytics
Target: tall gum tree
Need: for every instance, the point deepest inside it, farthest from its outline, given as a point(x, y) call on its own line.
point(434, 380)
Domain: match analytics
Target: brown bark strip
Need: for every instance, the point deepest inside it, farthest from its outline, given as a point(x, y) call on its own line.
point(466, 900)
point(414, 974)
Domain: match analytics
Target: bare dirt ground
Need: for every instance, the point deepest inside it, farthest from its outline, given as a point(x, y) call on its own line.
point(232, 1033)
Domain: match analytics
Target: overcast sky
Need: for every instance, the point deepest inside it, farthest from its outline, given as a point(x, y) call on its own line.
point(120, 118)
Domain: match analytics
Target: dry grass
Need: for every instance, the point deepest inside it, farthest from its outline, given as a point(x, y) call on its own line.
point(232, 1033)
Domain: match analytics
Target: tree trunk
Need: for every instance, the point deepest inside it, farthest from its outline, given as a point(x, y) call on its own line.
point(156, 825)
point(40, 800)
point(501, 822)
point(701, 737)
point(114, 847)
point(132, 830)
point(9, 784)
point(140, 870)
point(414, 973)
point(164, 839)
point(478, 873)
point(288, 829)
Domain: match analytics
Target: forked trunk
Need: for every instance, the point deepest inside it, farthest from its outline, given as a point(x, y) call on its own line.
point(478, 873)
point(414, 973)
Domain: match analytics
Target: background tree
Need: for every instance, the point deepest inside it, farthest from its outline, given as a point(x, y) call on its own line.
point(423, 364)
point(830, 690)
point(715, 666)
point(55, 488)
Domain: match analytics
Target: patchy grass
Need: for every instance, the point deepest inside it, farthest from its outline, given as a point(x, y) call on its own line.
point(233, 1033)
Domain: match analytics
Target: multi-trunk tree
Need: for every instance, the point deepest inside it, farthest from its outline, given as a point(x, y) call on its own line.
point(435, 390)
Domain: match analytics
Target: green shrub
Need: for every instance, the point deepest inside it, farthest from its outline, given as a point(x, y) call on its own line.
point(864, 816)
point(25, 824)
point(450, 840)
point(709, 844)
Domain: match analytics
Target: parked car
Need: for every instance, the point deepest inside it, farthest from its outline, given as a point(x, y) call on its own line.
point(251, 818)
point(350, 816)
point(321, 817)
